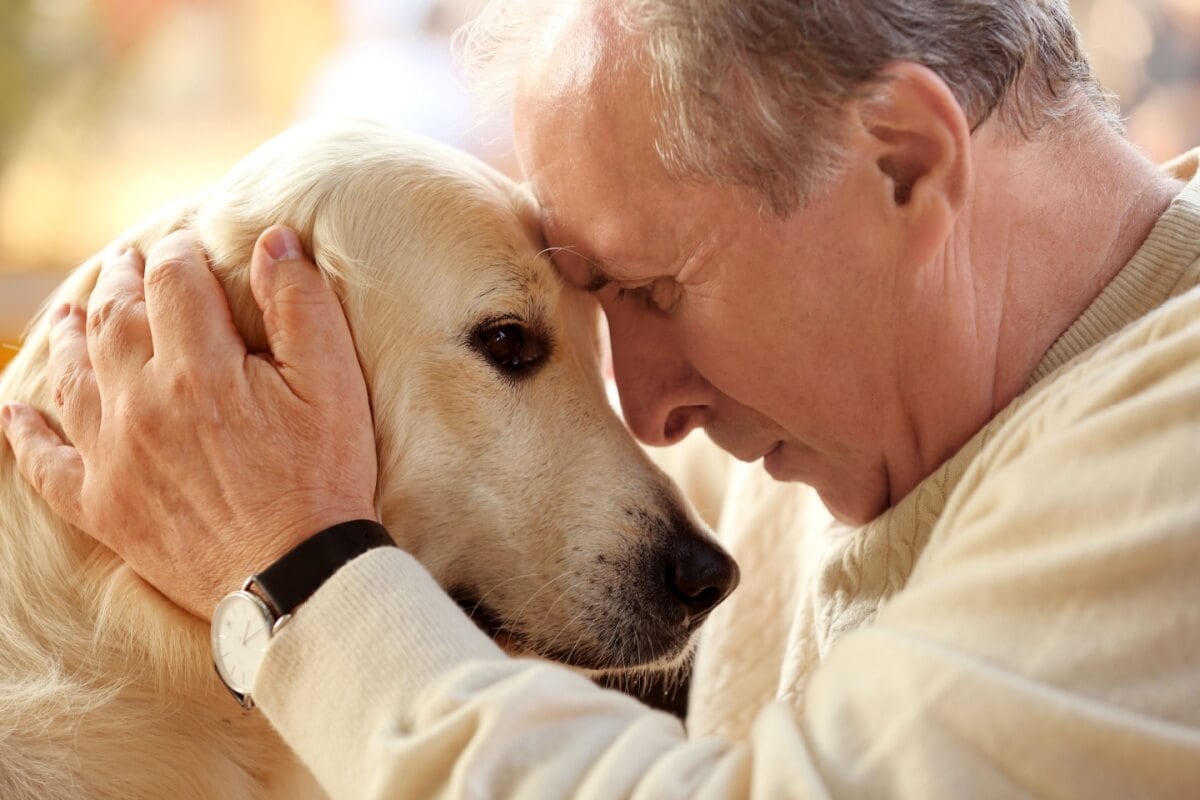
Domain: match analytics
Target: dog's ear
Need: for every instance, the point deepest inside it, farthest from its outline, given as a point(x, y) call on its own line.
point(229, 224)
point(229, 244)
point(228, 240)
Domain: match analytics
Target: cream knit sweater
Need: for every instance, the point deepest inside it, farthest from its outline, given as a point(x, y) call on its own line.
point(1026, 621)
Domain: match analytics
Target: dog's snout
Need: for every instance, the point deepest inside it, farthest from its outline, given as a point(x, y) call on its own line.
point(699, 574)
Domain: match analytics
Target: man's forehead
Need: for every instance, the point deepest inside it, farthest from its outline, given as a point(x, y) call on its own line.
point(570, 50)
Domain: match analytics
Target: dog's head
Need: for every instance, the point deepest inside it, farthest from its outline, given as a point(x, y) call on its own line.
point(502, 466)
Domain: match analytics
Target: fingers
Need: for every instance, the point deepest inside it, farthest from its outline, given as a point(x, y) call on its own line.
point(72, 378)
point(118, 337)
point(187, 308)
point(306, 327)
point(51, 466)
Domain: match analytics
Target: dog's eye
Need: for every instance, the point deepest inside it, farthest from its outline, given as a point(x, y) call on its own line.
point(511, 347)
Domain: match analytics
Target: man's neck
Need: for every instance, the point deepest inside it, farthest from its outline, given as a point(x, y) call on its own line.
point(1051, 225)
point(1045, 229)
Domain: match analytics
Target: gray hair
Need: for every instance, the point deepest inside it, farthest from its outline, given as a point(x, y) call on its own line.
point(750, 91)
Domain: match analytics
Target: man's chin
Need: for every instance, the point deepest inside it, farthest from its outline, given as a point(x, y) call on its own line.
point(854, 505)
point(775, 464)
point(790, 463)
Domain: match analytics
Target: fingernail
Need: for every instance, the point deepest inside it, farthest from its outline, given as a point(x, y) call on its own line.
point(6, 415)
point(282, 245)
point(60, 313)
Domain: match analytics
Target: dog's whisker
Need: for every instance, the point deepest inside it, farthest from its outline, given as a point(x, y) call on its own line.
point(579, 638)
point(516, 618)
point(563, 249)
point(496, 586)
point(565, 593)
point(571, 625)
point(570, 589)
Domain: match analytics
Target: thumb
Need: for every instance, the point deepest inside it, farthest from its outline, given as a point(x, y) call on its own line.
point(51, 466)
point(305, 325)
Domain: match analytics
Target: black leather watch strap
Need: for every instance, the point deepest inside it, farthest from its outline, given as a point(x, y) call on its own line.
point(297, 575)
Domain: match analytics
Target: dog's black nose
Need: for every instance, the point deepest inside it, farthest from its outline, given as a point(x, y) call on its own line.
point(699, 574)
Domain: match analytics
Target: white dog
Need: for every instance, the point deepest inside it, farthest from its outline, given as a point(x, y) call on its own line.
point(501, 466)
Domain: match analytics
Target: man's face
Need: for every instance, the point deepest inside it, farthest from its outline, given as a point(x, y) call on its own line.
point(777, 337)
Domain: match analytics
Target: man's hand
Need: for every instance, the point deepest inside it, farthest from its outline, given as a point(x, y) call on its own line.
point(197, 462)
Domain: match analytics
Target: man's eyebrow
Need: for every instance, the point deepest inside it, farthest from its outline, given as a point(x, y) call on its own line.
point(596, 278)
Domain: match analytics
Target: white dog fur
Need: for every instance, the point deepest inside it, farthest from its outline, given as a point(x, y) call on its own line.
point(527, 494)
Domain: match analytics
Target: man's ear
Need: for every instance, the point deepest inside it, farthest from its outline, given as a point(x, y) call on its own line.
point(920, 137)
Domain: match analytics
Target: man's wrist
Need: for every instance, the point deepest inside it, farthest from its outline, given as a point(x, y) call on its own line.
point(277, 592)
point(296, 575)
point(273, 532)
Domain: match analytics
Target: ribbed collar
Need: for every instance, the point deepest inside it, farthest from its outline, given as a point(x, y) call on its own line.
point(1151, 277)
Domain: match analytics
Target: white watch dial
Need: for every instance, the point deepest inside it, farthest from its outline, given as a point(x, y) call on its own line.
point(241, 629)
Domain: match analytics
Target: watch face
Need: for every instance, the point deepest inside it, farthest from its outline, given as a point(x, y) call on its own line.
point(241, 629)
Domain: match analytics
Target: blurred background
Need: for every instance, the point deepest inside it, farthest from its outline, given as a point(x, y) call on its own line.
point(109, 108)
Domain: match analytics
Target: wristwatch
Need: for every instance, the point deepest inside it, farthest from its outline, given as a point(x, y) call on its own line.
point(244, 621)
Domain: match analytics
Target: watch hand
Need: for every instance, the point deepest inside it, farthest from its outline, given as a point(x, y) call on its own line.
point(246, 632)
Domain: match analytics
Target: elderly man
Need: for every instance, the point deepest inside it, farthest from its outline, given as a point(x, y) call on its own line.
point(896, 248)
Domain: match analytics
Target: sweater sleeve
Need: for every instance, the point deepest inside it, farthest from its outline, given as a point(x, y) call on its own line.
point(386, 690)
point(1047, 644)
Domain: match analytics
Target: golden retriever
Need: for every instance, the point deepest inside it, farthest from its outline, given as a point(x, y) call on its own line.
point(501, 466)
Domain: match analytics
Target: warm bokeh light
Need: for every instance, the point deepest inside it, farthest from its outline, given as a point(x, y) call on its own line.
point(109, 108)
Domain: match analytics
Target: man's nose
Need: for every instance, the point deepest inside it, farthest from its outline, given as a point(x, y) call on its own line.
point(662, 396)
